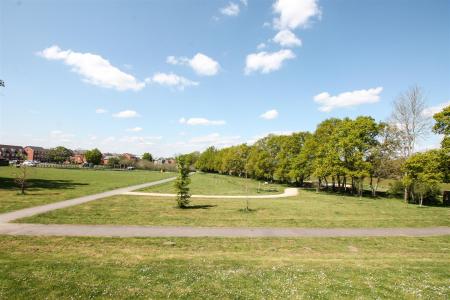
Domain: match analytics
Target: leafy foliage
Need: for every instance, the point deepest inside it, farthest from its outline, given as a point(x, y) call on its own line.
point(147, 156)
point(93, 156)
point(423, 175)
point(182, 182)
point(59, 154)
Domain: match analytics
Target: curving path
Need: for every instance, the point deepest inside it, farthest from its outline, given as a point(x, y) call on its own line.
point(289, 192)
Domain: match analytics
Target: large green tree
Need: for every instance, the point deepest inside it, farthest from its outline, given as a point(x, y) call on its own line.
point(93, 156)
point(59, 154)
point(147, 156)
point(442, 126)
point(423, 174)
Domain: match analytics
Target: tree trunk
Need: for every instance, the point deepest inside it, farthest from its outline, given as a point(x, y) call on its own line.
point(406, 194)
point(421, 199)
point(376, 187)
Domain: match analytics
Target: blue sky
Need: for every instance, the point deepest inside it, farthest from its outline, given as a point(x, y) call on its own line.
point(176, 76)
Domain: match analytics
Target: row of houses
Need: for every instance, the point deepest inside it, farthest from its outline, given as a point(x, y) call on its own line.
point(12, 152)
point(40, 154)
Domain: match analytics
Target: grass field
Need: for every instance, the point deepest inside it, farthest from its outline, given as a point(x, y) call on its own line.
point(224, 268)
point(48, 185)
point(216, 184)
point(308, 209)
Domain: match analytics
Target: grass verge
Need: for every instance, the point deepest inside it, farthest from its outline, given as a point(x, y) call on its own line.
point(308, 209)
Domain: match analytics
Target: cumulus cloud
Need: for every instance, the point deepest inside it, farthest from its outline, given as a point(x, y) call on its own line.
point(287, 38)
point(295, 13)
point(261, 46)
point(94, 69)
point(430, 111)
point(135, 129)
point(232, 9)
point(215, 139)
point(140, 140)
point(101, 111)
point(126, 114)
point(270, 114)
point(200, 63)
point(266, 62)
point(347, 99)
point(171, 80)
point(201, 121)
point(60, 136)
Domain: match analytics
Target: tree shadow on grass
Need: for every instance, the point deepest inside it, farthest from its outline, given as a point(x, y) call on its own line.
point(38, 184)
point(206, 206)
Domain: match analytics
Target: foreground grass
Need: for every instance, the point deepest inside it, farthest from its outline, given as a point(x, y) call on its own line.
point(216, 184)
point(224, 268)
point(48, 185)
point(308, 209)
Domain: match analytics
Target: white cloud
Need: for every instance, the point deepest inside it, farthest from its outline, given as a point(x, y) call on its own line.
point(135, 129)
point(232, 9)
point(101, 111)
point(266, 62)
point(60, 136)
point(171, 80)
point(126, 114)
point(201, 121)
point(270, 114)
point(244, 2)
point(94, 69)
point(430, 111)
point(200, 63)
point(347, 99)
point(261, 46)
point(140, 140)
point(287, 38)
point(215, 139)
point(295, 13)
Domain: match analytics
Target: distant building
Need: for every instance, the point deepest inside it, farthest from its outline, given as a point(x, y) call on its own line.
point(78, 157)
point(164, 161)
point(106, 158)
point(36, 153)
point(11, 152)
point(130, 156)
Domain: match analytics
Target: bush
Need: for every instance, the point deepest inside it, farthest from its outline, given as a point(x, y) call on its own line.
point(396, 189)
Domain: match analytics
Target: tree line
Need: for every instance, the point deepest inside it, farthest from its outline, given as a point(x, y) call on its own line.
point(343, 154)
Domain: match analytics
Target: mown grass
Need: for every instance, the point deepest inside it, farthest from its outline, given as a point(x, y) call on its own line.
point(46, 185)
point(308, 209)
point(216, 184)
point(224, 268)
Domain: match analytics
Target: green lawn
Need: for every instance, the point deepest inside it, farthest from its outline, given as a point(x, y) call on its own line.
point(48, 185)
point(308, 209)
point(224, 268)
point(216, 184)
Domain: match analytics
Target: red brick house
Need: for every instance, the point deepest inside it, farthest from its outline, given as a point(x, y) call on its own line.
point(129, 156)
point(78, 157)
point(36, 153)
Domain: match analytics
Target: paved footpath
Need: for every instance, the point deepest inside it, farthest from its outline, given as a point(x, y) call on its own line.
point(153, 231)
point(170, 231)
point(28, 212)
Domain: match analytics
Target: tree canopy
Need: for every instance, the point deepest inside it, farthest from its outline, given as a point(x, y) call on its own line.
point(93, 156)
